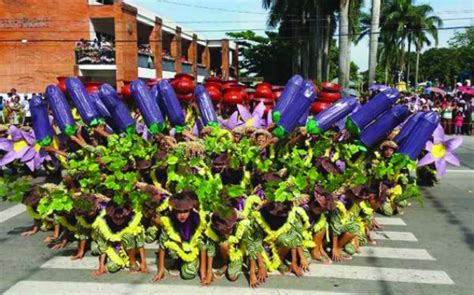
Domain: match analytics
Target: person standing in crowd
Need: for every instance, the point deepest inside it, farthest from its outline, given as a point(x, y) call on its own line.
point(458, 121)
point(15, 110)
point(467, 124)
point(1, 110)
point(26, 111)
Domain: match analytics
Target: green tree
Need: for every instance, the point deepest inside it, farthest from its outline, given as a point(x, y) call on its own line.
point(266, 56)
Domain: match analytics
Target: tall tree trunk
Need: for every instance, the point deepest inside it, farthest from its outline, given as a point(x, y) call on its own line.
point(374, 36)
point(319, 52)
point(408, 59)
point(296, 50)
point(348, 62)
point(386, 74)
point(326, 45)
point(305, 48)
point(343, 42)
point(417, 64)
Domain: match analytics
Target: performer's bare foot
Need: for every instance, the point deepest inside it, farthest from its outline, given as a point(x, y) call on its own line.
point(339, 256)
point(59, 246)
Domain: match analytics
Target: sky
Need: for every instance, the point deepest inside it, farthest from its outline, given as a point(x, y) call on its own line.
point(210, 19)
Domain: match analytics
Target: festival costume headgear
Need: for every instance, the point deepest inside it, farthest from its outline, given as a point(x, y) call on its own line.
point(388, 144)
point(183, 201)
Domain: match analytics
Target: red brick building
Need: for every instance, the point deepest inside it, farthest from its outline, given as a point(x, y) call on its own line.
point(38, 44)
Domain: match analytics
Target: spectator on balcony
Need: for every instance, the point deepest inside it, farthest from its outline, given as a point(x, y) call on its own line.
point(107, 55)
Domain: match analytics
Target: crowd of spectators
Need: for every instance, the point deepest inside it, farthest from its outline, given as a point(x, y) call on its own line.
point(15, 108)
point(95, 52)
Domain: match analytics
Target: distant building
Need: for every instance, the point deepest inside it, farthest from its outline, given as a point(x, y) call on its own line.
point(40, 41)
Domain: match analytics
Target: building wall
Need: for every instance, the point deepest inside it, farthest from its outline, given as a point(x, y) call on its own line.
point(31, 66)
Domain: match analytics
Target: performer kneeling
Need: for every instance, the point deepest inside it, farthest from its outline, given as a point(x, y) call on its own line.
point(182, 237)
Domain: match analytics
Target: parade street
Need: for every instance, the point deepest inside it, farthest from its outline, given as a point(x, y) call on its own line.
point(423, 251)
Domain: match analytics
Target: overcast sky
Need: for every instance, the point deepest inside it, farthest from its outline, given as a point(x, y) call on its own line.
point(211, 18)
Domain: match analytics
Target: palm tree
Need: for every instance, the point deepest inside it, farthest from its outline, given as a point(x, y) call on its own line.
point(343, 42)
point(374, 29)
point(422, 26)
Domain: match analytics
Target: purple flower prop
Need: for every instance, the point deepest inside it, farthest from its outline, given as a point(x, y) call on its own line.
point(441, 151)
point(143, 130)
point(21, 145)
point(231, 122)
point(255, 118)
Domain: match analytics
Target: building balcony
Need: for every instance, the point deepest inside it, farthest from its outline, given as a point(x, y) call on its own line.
point(88, 53)
point(186, 67)
point(146, 61)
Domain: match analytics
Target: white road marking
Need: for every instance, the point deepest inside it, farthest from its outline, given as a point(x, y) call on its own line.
point(389, 221)
point(369, 273)
point(12, 212)
point(460, 171)
point(60, 288)
point(395, 253)
point(393, 236)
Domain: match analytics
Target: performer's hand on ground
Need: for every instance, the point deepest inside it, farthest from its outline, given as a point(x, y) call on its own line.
point(159, 276)
point(254, 283)
point(100, 271)
point(294, 268)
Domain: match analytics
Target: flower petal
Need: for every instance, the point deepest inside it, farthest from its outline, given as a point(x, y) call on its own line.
point(8, 158)
point(244, 113)
point(15, 133)
point(438, 134)
point(31, 164)
point(5, 144)
point(441, 167)
point(427, 159)
point(429, 145)
point(259, 110)
point(232, 121)
point(28, 155)
point(452, 159)
point(29, 137)
point(453, 143)
point(269, 117)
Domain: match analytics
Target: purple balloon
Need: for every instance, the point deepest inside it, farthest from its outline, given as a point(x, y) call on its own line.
point(340, 109)
point(408, 127)
point(289, 92)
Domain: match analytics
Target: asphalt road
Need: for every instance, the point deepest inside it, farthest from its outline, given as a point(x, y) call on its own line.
point(426, 250)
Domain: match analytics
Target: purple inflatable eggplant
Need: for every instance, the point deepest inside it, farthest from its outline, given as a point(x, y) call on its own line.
point(378, 130)
point(408, 127)
point(303, 119)
point(206, 108)
point(61, 110)
point(121, 120)
point(416, 140)
point(108, 96)
point(171, 105)
point(82, 101)
point(324, 120)
point(300, 103)
point(99, 105)
point(371, 110)
point(292, 87)
point(41, 125)
point(148, 107)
